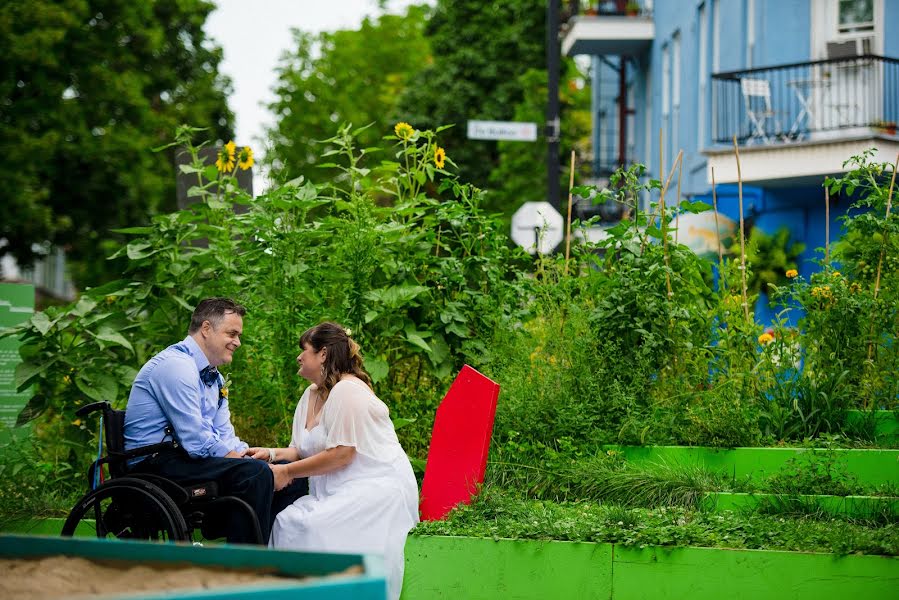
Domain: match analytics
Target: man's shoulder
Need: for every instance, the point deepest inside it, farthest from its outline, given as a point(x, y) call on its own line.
point(173, 361)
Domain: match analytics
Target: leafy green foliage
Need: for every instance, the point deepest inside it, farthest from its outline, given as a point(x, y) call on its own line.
point(88, 86)
point(479, 51)
point(342, 77)
point(421, 284)
point(502, 514)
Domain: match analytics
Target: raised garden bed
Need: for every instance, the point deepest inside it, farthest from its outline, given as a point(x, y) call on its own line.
point(873, 467)
point(477, 568)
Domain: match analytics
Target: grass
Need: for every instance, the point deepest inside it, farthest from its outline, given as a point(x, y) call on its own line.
point(499, 513)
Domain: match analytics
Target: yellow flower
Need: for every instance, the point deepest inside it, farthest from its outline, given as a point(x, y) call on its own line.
point(403, 130)
point(67, 380)
point(791, 273)
point(836, 273)
point(225, 161)
point(224, 393)
point(245, 158)
point(765, 339)
point(439, 157)
point(77, 422)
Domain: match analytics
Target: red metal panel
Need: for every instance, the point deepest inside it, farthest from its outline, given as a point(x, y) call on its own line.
point(460, 441)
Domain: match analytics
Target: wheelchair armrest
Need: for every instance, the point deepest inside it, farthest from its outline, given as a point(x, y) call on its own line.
point(92, 407)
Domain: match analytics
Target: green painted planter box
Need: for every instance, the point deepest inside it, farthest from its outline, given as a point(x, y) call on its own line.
point(855, 506)
point(871, 467)
point(370, 585)
point(886, 423)
point(485, 569)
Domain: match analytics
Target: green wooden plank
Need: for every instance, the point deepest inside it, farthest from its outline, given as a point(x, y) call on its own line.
point(479, 569)
point(712, 574)
point(855, 506)
point(871, 467)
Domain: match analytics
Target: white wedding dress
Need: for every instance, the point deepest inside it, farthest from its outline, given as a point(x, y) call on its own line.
point(370, 505)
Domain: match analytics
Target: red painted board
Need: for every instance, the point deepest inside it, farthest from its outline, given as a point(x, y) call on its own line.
point(460, 441)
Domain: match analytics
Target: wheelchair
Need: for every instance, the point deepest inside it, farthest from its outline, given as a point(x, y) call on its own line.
point(142, 506)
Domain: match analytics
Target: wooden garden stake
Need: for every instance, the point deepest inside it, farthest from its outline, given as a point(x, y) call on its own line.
point(568, 228)
point(883, 245)
point(826, 225)
point(742, 234)
point(721, 278)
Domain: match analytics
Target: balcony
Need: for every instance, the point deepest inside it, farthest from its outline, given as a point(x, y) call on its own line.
point(607, 28)
point(796, 123)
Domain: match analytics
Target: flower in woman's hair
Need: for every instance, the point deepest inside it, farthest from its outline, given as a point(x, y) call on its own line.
point(439, 157)
point(766, 338)
point(225, 160)
point(348, 332)
point(245, 158)
point(791, 273)
point(403, 130)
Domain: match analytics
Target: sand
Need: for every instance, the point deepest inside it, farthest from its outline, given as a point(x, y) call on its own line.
point(55, 577)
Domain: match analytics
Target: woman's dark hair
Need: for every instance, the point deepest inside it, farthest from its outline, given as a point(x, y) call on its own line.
point(342, 357)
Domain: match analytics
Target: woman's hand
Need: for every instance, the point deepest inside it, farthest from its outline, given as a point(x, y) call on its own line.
point(260, 453)
point(282, 477)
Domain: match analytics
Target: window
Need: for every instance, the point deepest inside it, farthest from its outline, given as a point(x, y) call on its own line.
point(702, 67)
point(666, 100)
point(855, 16)
point(674, 134)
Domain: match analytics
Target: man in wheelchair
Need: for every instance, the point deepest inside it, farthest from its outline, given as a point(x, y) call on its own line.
point(178, 396)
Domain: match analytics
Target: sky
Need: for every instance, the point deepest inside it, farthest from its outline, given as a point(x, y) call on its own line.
point(254, 35)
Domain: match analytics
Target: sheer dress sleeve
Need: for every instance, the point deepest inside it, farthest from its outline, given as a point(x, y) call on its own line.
point(354, 416)
point(299, 419)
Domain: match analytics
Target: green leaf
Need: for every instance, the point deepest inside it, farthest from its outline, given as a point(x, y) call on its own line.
point(114, 338)
point(138, 250)
point(27, 370)
point(415, 339)
point(98, 386)
point(85, 305)
point(134, 230)
point(377, 369)
point(211, 173)
point(35, 408)
point(41, 322)
point(401, 422)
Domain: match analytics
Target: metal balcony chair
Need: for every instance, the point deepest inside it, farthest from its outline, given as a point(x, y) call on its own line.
point(757, 101)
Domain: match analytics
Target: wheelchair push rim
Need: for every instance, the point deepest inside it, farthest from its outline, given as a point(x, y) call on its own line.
point(128, 508)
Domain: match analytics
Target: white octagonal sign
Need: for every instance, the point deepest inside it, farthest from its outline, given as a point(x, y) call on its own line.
point(537, 227)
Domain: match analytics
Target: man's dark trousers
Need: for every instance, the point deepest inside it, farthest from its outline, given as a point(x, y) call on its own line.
point(249, 479)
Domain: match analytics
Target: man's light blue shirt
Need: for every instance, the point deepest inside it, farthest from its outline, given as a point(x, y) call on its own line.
point(167, 391)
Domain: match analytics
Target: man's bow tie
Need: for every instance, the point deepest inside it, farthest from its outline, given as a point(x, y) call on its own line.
point(210, 376)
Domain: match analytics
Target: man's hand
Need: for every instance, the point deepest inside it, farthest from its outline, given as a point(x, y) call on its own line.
point(282, 477)
point(235, 454)
point(259, 453)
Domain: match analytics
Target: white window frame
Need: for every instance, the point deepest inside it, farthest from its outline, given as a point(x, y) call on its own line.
point(702, 69)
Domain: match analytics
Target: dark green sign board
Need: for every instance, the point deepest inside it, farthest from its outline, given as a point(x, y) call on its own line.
point(16, 306)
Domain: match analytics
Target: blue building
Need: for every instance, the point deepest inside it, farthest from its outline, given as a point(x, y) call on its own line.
point(801, 85)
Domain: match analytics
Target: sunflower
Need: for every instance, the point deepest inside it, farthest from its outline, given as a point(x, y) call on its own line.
point(403, 130)
point(245, 158)
point(439, 157)
point(225, 161)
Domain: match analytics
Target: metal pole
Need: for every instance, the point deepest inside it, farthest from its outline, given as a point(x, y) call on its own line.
point(553, 52)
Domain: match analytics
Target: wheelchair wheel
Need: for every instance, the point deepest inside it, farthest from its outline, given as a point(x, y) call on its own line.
point(128, 508)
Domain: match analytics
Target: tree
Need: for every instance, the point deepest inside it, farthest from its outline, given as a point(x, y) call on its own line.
point(87, 87)
point(342, 77)
point(480, 51)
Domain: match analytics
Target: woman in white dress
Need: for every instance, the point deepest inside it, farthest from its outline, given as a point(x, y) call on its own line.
point(363, 497)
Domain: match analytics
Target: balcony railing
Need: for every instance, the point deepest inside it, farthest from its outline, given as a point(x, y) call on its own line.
point(807, 101)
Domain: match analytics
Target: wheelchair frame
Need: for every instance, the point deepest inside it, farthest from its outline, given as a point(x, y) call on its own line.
point(142, 505)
